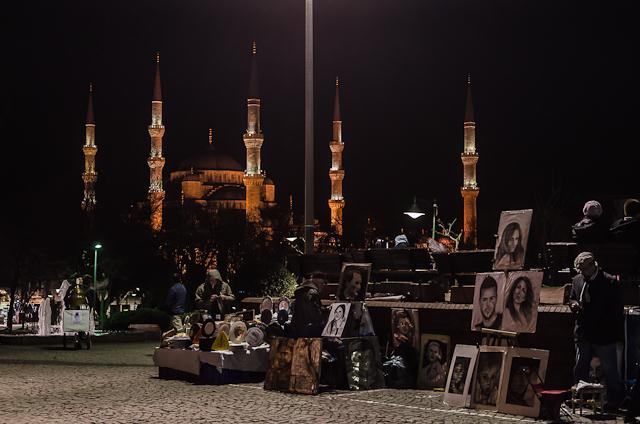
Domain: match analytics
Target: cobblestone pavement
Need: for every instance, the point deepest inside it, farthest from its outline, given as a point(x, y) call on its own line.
point(119, 384)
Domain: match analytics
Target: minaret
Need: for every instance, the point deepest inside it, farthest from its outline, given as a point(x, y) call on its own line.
point(89, 176)
point(336, 172)
point(253, 138)
point(469, 189)
point(156, 161)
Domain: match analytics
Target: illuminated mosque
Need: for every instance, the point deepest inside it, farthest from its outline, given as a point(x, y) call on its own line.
point(215, 180)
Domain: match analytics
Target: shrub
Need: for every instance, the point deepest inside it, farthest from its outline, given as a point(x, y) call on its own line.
point(279, 282)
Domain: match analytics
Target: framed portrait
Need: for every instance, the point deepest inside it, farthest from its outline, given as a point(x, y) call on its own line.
point(405, 327)
point(435, 352)
point(354, 279)
point(363, 363)
point(511, 244)
point(458, 388)
point(338, 317)
point(487, 379)
point(488, 301)
point(521, 300)
point(523, 368)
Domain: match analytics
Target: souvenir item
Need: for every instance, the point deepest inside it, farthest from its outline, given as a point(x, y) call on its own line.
point(283, 304)
point(208, 328)
point(222, 326)
point(280, 356)
point(266, 316)
point(457, 391)
point(194, 332)
point(206, 343)
point(523, 369)
point(305, 366)
point(254, 337)
point(221, 342)
point(363, 363)
point(434, 361)
point(267, 303)
point(179, 342)
point(238, 331)
point(283, 316)
point(195, 317)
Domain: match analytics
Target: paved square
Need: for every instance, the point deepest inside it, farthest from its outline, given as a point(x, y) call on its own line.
point(117, 383)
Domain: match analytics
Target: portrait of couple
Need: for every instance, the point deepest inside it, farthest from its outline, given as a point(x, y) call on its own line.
point(513, 233)
point(509, 304)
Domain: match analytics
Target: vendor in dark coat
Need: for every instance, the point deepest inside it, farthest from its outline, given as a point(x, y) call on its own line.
point(599, 331)
point(214, 295)
point(591, 228)
point(307, 307)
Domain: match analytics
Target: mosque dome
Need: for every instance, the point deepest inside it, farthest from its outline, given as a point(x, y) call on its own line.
point(210, 159)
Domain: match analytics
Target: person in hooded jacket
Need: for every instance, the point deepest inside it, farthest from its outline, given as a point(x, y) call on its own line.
point(307, 308)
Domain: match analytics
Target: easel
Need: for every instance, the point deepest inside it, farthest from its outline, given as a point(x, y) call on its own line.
point(491, 337)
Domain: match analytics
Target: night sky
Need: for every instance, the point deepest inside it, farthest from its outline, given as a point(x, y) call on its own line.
point(553, 86)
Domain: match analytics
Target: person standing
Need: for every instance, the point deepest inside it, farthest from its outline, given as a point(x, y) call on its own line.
point(176, 298)
point(597, 304)
point(214, 295)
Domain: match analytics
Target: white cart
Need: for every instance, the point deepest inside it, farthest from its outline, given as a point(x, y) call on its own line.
point(76, 324)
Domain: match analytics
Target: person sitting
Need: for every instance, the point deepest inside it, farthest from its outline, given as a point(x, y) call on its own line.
point(214, 295)
point(627, 228)
point(401, 241)
point(591, 228)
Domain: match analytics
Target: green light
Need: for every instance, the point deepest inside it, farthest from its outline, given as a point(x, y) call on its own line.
point(97, 246)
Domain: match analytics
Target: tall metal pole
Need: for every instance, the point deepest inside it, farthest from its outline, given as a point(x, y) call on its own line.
point(308, 129)
point(435, 216)
point(95, 274)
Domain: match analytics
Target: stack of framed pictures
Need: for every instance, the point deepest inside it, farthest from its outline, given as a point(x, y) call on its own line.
point(496, 378)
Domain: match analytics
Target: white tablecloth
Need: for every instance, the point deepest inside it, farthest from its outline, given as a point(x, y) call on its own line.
point(255, 360)
point(178, 359)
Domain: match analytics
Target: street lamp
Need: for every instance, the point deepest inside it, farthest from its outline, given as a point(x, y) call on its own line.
point(308, 129)
point(96, 247)
point(415, 212)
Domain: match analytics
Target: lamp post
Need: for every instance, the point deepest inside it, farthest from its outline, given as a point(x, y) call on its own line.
point(435, 215)
point(308, 129)
point(95, 276)
point(416, 212)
